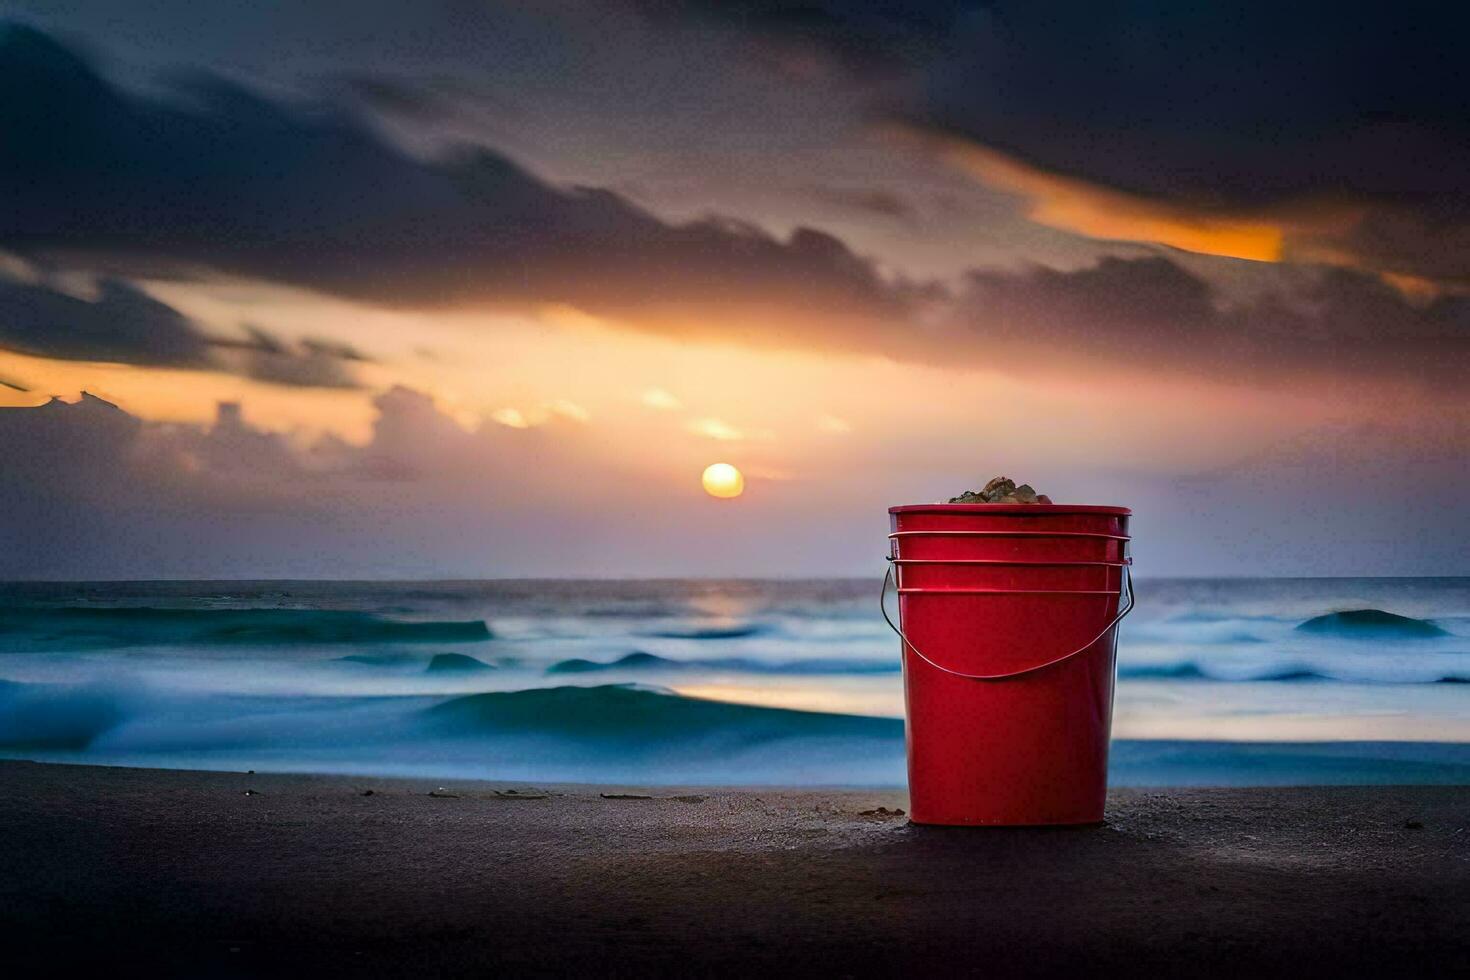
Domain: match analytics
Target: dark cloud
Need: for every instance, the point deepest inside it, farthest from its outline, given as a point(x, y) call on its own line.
point(309, 364)
point(88, 490)
point(121, 324)
point(333, 348)
point(61, 450)
point(224, 179)
point(1242, 103)
point(863, 39)
point(397, 97)
point(307, 369)
point(124, 325)
point(1149, 313)
point(1255, 110)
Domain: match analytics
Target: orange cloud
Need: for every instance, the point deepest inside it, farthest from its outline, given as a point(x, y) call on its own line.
point(1072, 204)
point(184, 395)
point(716, 429)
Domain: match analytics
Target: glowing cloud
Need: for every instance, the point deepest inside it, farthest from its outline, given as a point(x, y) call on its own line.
point(660, 399)
point(569, 410)
point(715, 429)
point(1075, 205)
point(512, 418)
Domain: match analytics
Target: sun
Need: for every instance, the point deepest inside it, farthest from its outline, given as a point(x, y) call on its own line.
point(722, 480)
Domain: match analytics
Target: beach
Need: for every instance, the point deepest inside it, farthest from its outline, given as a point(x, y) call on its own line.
point(182, 873)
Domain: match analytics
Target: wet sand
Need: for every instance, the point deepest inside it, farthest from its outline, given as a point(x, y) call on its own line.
point(198, 874)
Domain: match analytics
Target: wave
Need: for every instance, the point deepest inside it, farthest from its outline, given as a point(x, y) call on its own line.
point(55, 717)
point(1133, 762)
point(456, 663)
point(1441, 668)
point(49, 628)
point(1290, 671)
point(381, 659)
point(608, 734)
point(630, 714)
point(616, 734)
point(637, 660)
point(1193, 671)
point(711, 632)
point(1372, 623)
point(641, 661)
point(1436, 669)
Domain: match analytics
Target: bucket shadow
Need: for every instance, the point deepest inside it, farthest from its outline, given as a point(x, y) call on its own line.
point(1059, 850)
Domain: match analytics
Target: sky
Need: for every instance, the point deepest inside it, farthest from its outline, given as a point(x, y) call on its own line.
point(464, 289)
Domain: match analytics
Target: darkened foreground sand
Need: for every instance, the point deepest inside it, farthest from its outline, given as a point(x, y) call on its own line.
point(182, 873)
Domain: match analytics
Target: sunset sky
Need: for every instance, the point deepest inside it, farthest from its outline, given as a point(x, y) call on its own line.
point(493, 284)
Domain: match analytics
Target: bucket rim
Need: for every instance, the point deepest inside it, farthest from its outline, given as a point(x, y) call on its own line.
point(1009, 510)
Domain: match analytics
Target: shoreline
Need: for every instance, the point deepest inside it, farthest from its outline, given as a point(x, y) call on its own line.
point(1157, 763)
point(184, 872)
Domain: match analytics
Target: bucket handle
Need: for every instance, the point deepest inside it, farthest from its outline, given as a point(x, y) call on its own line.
point(883, 605)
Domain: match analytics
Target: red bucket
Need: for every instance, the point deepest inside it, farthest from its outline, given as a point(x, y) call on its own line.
point(1009, 618)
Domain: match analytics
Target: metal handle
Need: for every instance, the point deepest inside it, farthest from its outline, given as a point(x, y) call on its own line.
point(883, 605)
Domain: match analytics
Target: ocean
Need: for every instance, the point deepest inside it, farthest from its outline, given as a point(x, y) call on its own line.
point(690, 682)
